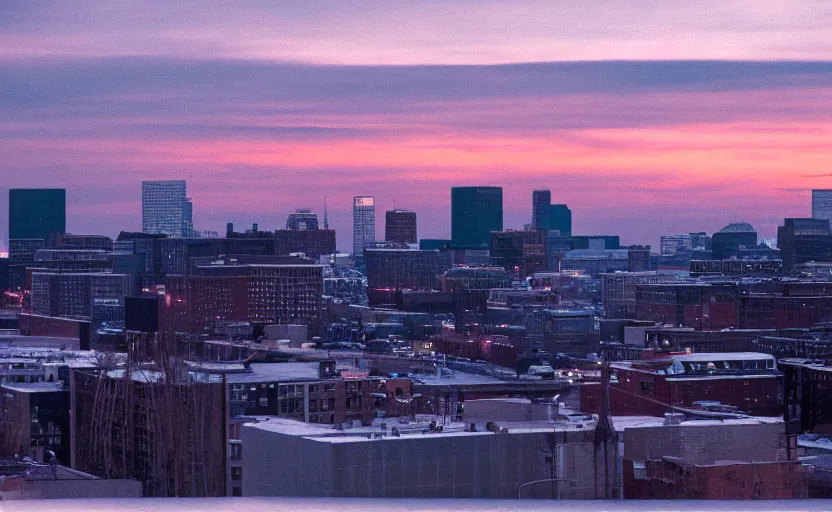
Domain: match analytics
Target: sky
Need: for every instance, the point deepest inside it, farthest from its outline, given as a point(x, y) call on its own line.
point(645, 117)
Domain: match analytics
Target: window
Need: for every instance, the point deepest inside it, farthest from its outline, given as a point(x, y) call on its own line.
point(647, 387)
point(329, 388)
point(313, 406)
point(236, 473)
point(236, 451)
point(331, 403)
point(313, 388)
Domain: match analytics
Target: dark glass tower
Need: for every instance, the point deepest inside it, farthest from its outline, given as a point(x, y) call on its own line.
point(36, 212)
point(560, 218)
point(400, 226)
point(475, 213)
point(541, 203)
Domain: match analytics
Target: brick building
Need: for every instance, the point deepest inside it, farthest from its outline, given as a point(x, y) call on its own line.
point(706, 459)
point(748, 382)
point(264, 290)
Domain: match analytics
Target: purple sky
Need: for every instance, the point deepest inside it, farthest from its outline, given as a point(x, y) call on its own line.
point(647, 118)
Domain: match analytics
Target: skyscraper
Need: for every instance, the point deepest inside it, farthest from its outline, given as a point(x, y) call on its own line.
point(400, 226)
point(560, 219)
point(822, 204)
point(188, 219)
point(303, 219)
point(36, 213)
point(475, 213)
point(363, 225)
point(164, 210)
point(541, 206)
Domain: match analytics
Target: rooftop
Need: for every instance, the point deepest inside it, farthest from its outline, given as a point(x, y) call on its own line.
point(35, 387)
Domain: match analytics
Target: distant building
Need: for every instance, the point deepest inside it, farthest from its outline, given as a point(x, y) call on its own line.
point(726, 243)
point(36, 213)
point(400, 226)
point(34, 216)
point(399, 268)
point(803, 241)
point(303, 219)
point(822, 204)
point(363, 225)
point(672, 245)
point(264, 290)
point(475, 213)
point(312, 242)
point(434, 244)
point(188, 219)
point(165, 208)
point(700, 241)
point(618, 291)
point(518, 251)
point(560, 219)
point(98, 297)
point(541, 205)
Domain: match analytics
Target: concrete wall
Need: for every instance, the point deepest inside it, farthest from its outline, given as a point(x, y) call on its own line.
point(707, 444)
point(67, 489)
point(485, 410)
point(475, 465)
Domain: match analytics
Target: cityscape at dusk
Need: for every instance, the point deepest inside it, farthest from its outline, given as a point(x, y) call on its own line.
point(450, 255)
point(613, 121)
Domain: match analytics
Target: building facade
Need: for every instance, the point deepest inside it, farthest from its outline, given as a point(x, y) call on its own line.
point(822, 204)
point(164, 208)
point(400, 226)
point(363, 224)
point(475, 213)
point(312, 242)
point(35, 215)
point(302, 219)
point(560, 219)
point(804, 240)
point(541, 204)
point(396, 268)
point(726, 243)
point(675, 244)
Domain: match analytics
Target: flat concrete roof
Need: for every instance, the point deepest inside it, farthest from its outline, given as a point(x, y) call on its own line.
point(274, 372)
point(36, 387)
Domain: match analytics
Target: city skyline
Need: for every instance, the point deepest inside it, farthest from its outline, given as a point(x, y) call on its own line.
point(514, 219)
point(689, 122)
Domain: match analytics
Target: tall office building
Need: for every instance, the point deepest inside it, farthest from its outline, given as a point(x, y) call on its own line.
point(363, 225)
point(541, 209)
point(400, 226)
point(822, 204)
point(475, 213)
point(34, 216)
point(164, 208)
point(303, 219)
point(560, 219)
point(36, 213)
point(188, 219)
point(803, 241)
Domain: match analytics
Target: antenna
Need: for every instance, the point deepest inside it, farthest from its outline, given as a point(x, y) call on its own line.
point(326, 218)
